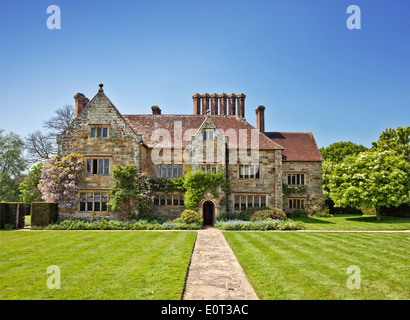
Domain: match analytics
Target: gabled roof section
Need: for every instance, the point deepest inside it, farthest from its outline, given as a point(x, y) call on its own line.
point(145, 124)
point(299, 146)
point(99, 100)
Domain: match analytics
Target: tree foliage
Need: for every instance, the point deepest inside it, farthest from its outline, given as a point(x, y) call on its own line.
point(394, 139)
point(337, 151)
point(59, 180)
point(371, 179)
point(334, 154)
point(131, 191)
point(28, 188)
point(12, 165)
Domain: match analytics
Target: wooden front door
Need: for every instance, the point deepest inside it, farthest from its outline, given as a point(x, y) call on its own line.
point(208, 213)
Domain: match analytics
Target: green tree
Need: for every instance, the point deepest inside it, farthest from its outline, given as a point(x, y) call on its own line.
point(371, 179)
point(395, 139)
point(28, 188)
point(131, 191)
point(337, 151)
point(12, 165)
point(60, 178)
point(334, 154)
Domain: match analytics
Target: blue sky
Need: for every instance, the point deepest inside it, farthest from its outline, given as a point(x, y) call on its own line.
point(296, 57)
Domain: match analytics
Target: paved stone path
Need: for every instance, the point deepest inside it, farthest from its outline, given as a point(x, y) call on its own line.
point(214, 272)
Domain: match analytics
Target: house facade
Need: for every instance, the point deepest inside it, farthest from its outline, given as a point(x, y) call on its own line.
point(215, 137)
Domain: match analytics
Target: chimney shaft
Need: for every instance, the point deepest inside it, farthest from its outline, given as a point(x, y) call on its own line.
point(222, 104)
point(80, 102)
point(214, 103)
point(197, 103)
point(241, 104)
point(205, 103)
point(260, 118)
point(155, 110)
point(232, 104)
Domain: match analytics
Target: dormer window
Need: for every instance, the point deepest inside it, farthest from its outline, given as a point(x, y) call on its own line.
point(99, 132)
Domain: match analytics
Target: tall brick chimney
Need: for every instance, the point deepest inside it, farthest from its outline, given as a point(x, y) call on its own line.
point(80, 102)
point(205, 103)
point(155, 110)
point(241, 104)
point(232, 104)
point(260, 118)
point(214, 103)
point(197, 103)
point(222, 104)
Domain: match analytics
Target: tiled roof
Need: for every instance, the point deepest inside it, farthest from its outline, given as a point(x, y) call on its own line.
point(145, 124)
point(299, 146)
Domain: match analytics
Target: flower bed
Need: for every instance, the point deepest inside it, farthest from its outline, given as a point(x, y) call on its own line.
point(268, 224)
point(104, 224)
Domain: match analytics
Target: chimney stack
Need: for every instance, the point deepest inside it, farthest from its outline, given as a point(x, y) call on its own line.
point(241, 104)
point(155, 110)
point(214, 103)
point(232, 104)
point(80, 102)
point(197, 103)
point(222, 104)
point(205, 103)
point(260, 118)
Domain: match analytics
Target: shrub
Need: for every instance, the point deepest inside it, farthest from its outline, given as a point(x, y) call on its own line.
point(269, 224)
point(324, 214)
point(271, 213)
point(43, 213)
point(191, 216)
point(59, 180)
point(297, 213)
point(313, 204)
point(105, 224)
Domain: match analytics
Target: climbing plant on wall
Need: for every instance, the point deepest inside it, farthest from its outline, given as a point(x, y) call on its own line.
point(193, 183)
point(196, 182)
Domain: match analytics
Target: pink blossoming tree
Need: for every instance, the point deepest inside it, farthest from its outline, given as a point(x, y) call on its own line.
point(59, 180)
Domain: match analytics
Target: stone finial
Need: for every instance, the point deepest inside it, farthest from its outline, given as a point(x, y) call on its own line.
point(101, 87)
point(156, 110)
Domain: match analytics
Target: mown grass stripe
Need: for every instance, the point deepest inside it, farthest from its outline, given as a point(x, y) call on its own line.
point(316, 264)
point(95, 264)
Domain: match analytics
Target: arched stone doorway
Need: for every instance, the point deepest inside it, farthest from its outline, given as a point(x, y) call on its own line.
point(208, 212)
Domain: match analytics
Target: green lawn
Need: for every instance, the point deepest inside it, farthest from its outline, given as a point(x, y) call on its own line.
point(95, 264)
point(294, 265)
point(355, 222)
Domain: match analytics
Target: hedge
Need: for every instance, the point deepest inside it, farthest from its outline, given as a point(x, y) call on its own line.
point(400, 211)
point(43, 213)
point(9, 211)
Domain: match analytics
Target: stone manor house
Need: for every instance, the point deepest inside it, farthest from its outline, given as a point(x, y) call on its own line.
point(215, 137)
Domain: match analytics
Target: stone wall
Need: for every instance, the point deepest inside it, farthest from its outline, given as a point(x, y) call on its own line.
point(313, 177)
point(269, 182)
point(120, 147)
